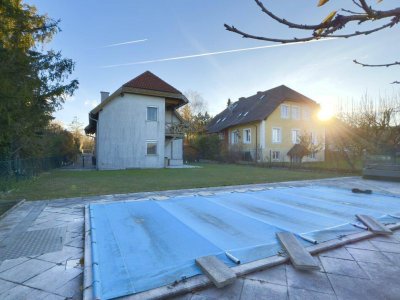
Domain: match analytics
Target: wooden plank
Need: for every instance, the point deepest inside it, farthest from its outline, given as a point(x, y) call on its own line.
point(299, 256)
point(374, 225)
point(219, 273)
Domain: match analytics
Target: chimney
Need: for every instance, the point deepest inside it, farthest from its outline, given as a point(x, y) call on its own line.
point(104, 95)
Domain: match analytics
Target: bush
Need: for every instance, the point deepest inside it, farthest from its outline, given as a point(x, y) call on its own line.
point(208, 146)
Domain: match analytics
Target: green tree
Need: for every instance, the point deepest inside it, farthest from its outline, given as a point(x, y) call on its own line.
point(32, 81)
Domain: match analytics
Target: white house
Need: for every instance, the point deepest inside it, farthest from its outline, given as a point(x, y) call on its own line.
point(138, 126)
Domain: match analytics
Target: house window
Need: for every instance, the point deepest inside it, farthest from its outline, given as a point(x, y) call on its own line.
point(295, 112)
point(312, 155)
point(284, 111)
point(234, 137)
point(276, 135)
point(152, 113)
point(306, 113)
point(221, 136)
point(313, 138)
point(247, 136)
point(295, 136)
point(276, 155)
point(151, 148)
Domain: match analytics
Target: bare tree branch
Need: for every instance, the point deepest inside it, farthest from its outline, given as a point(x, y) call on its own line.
point(333, 23)
point(396, 63)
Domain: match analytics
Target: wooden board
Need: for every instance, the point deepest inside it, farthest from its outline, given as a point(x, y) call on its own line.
point(299, 256)
point(374, 225)
point(219, 273)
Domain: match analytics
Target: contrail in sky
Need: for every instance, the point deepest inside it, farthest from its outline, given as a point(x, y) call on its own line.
point(211, 53)
point(126, 43)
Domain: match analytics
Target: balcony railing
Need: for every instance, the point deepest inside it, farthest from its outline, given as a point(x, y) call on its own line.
point(175, 129)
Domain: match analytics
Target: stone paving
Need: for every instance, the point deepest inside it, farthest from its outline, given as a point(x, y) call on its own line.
point(364, 270)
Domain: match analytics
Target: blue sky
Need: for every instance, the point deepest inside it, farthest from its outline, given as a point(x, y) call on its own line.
point(323, 71)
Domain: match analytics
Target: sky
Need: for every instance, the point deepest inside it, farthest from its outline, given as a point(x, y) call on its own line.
point(185, 43)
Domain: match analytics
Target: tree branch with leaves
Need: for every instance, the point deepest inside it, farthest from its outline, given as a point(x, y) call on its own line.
point(361, 14)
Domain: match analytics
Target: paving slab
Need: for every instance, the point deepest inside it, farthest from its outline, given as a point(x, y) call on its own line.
point(230, 292)
point(58, 276)
point(386, 247)
point(21, 292)
point(10, 263)
point(302, 294)
point(378, 271)
point(365, 244)
point(310, 280)
point(343, 267)
point(276, 275)
point(26, 270)
point(369, 256)
point(253, 289)
point(6, 285)
point(393, 257)
point(61, 257)
point(338, 253)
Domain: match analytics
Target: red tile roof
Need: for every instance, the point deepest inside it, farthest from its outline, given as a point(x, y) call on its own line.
point(149, 81)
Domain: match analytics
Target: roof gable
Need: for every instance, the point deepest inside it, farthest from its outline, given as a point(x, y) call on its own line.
point(149, 81)
point(255, 108)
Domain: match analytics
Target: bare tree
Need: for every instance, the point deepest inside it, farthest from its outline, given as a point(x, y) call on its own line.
point(361, 13)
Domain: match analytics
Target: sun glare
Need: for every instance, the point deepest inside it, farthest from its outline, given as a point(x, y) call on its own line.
point(325, 114)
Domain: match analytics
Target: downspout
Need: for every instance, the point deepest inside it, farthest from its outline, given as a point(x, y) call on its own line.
point(96, 142)
point(255, 125)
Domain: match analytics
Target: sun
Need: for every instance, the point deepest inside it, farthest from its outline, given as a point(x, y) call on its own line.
point(325, 114)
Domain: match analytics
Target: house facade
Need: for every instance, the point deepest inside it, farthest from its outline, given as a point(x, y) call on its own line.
point(138, 126)
point(267, 125)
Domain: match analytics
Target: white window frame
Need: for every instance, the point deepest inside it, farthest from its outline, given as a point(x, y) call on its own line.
point(234, 137)
point(297, 141)
point(287, 114)
point(245, 141)
point(147, 147)
point(297, 116)
point(274, 157)
point(306, 113)
point(314, 139)
point(313, 155)
point(279, 136)
point(147, 114)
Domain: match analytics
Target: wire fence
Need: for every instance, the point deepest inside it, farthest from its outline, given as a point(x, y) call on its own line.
point(13, 171)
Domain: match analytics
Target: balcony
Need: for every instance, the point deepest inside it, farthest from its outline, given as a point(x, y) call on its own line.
point(175, 130)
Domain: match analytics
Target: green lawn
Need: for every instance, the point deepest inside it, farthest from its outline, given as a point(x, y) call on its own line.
point(63, 183)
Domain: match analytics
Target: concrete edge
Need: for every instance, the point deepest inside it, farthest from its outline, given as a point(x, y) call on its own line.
point(13, 208)
point(201, 281)
point(87, 270)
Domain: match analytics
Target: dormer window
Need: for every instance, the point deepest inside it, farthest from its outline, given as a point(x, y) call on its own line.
point(245, 114)
point(219, 120)
point(223, 119)
point(239, 115)
point(262, 96)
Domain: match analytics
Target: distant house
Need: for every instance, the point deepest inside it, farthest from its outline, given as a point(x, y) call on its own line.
point(138, 126)
point(267, 125)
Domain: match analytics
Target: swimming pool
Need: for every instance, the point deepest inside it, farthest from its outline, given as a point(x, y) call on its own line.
point(140, 245)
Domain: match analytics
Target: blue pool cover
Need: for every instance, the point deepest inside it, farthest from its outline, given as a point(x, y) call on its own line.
point(140, 245)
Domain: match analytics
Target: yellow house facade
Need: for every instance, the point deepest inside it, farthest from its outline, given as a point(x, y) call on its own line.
point(267, 125)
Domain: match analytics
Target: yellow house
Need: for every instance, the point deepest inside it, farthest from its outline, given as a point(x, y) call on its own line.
point(267, 125)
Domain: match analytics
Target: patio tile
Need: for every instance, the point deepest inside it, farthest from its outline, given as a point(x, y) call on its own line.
point(21, 292)
point(358, 288)
point(301, 294)
point(10, 263)
point(379, 271)
point(73, 288)
point(230, 292)
point(369, 256)
point(343, 267)
point(26, 270)
point(62, 256)
point(314, 280)
point(6, 285)
point(387, 247)
point(393, 257)
point(387, 238)
point(337, 253)
point(366, 245)
point(263, 290)
point(275, 275)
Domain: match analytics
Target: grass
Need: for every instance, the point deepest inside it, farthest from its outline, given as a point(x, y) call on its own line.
point(64, 184)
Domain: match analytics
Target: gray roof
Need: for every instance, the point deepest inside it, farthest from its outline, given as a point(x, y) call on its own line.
point(255, 108)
